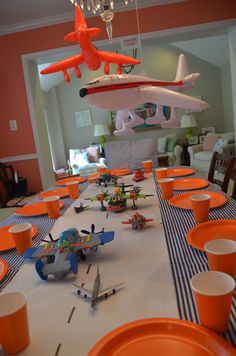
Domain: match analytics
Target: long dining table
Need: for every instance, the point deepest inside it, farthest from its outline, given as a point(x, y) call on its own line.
point(155, 264)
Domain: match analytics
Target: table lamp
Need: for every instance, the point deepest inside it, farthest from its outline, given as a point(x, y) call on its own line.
point(101, 130)
point(187, 122)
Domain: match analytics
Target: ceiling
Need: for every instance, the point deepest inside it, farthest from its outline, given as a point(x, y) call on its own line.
point(18, 15)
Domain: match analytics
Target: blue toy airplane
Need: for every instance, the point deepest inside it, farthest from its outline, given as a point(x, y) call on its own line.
point(58, 257)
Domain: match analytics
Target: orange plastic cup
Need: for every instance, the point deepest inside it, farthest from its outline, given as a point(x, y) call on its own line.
point(213, 292)
point(53, 206)
point(201, 206)
point(14, 336)
point(221, 255)
point(147, 166)
point(161, 173)
point(167, 187)
point(102, 170)
point(22, 236)
point(73, 189)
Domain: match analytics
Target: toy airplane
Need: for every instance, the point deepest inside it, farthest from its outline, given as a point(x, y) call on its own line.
point(81, 208)
point(89, 55)
point(61, 256)
point(96, 292)
point(137, 221)
point(106, 178)
point(101, 197)
point(139, 175)
point(122, 93)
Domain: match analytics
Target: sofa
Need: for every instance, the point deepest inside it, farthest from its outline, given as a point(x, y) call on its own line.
point(171, 146)
point(130, 154)
point(85, 161)
point(201, 155)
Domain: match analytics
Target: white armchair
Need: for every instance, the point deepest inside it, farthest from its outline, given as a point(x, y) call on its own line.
point(200, 158)
point(85, 161)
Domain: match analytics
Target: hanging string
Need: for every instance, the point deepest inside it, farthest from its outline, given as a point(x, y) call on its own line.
point(128, 68)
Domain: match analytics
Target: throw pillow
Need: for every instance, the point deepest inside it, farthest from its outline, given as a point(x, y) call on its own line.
point(161, 144)
point(81, 159)
point(93, 154)
point(171, 143)
point(220, 144)
point(209, 143)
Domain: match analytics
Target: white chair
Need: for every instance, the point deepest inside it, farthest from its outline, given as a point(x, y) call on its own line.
point(200, 158)
point(85, 161)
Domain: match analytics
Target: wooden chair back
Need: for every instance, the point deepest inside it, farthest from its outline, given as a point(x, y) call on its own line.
point(6, 175)
point(221, 163)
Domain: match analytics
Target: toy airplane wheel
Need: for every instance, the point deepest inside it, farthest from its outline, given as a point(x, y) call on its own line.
point(39, 268)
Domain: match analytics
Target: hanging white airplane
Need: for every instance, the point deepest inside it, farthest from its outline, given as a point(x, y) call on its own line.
point(96, 292)
point(122, 93)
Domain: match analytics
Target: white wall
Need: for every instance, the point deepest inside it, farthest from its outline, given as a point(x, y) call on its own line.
point(232, 52)
point(159, 62)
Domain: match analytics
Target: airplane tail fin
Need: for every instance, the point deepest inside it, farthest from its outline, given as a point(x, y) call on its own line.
point(182, 68)
point(79, 18)
point(182, 72)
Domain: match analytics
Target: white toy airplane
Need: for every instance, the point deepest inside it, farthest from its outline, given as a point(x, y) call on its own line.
point(122, 93)
point(95, 293)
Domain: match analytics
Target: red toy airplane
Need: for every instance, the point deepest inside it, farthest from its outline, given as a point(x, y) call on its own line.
point(137, 221)
point(89, 55)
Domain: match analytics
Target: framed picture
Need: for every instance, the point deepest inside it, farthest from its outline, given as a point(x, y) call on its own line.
point(193, 140)
point(83, 118)
point(201, 138)
point(210, 129)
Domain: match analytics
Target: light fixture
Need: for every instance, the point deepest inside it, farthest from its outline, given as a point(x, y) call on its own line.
point(103, 7)
point(187, 122)
point(101, 130)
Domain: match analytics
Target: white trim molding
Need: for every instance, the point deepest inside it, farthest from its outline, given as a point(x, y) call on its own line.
point(19, 158)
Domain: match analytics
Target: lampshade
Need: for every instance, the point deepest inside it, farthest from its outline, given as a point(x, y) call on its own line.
point(188, 121)
point(101, 130)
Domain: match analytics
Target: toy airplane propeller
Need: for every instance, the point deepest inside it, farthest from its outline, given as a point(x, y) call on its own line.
point(123, 93)
point(61, 256)
point(137, 221)
point(96, 292)
point(89, 55)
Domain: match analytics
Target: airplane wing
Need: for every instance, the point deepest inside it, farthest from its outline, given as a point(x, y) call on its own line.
point(163, 96)
point(40, 251)
point(63, 65)
point(117, 58)
point(111, 289)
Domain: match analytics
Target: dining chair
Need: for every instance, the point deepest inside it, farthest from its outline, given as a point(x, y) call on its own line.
point(221, 167)
point(9, 197)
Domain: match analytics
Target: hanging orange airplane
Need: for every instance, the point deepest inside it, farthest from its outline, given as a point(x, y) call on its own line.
point(89, 55)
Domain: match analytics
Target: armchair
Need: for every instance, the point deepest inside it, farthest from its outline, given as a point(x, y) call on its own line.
point(201, 155)
point(85, 161)
point(170, 145)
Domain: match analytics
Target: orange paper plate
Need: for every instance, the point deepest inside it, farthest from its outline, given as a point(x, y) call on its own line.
point(70, 179)
point(183, 200)
point(190, 183)
point(61, 192)
point(179, 172)
point(162, 336)
point(120, 171)
point(211, 230)
point(3, 268)
point(6, 240)
point(34, 209)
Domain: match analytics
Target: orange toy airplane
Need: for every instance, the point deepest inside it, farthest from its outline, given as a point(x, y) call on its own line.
point(89, 55)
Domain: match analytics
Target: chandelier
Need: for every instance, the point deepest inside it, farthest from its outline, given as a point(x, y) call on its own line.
point(102, 7)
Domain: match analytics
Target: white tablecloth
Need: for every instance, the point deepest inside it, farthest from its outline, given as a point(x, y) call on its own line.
point(139, 258)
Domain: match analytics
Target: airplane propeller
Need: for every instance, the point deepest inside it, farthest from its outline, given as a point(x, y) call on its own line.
point(92, 230)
